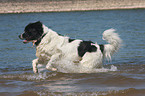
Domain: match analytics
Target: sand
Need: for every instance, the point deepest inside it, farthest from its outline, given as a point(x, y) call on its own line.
point(26, 6)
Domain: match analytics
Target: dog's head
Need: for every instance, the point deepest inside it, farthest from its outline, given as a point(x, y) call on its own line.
point(32, 32)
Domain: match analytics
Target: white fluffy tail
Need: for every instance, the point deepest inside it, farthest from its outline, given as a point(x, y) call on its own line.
point(114, 43)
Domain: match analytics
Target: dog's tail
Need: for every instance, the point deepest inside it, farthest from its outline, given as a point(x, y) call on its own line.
point(114, 43)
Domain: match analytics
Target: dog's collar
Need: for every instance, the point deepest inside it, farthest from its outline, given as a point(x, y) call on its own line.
point(36, 42)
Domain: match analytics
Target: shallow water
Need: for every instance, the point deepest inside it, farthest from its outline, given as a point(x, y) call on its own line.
point(123, 76)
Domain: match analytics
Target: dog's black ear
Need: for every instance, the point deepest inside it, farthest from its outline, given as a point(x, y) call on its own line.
point(38, 22)
point(38, 27)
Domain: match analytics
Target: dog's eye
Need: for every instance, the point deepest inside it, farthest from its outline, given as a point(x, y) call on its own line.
point(32, 30)
point(25, 35)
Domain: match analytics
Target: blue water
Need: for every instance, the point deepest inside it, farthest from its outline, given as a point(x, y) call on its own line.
point(16, 57)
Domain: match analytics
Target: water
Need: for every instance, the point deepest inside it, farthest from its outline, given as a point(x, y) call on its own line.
point(123, 76)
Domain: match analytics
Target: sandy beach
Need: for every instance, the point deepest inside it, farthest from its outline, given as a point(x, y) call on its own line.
point(26, 6)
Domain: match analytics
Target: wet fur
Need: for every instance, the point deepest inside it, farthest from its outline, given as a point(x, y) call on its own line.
point(73, 56)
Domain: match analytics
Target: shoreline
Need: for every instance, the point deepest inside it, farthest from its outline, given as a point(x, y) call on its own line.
point(69, 5)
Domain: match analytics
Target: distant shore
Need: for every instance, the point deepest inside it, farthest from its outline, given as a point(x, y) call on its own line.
point(26, 6)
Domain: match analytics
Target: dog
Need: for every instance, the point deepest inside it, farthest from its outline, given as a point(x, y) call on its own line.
point(57, 51)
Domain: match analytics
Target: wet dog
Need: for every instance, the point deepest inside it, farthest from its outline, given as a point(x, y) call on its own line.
point(57, 51)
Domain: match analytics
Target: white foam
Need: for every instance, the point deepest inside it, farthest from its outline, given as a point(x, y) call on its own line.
point(66, 66)
point(40, 76)
point(74, 68)
point(113, 68)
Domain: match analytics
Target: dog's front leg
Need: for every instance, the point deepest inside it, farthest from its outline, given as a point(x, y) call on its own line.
point(52, 61)
point(34, 64)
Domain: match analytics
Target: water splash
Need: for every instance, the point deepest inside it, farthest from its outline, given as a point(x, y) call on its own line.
point(40, 76)
point(30, 76)
point(113, 68)
point(72, 68)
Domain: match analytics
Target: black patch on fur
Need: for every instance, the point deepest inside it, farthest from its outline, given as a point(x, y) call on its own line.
point(85, 46)
point(102, 48)
point(33, 31)
point(70, 40)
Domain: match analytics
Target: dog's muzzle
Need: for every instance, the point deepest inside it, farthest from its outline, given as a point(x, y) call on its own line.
point(21, 37)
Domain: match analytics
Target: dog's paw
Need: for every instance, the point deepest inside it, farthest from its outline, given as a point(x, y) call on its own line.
point(51, 68)
point(54, 69)
point(48, 67)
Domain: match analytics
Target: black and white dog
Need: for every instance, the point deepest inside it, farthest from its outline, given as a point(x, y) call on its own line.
point(75, 56)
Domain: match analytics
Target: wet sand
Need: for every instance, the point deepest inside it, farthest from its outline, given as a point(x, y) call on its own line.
point(26, 6)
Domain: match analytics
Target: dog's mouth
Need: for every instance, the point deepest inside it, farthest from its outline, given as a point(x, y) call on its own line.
point(33, 41)
point(25, 41)
point(30, 39)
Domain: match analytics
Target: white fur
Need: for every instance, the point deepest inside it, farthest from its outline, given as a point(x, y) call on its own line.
point(59, 55)
point(114, 42)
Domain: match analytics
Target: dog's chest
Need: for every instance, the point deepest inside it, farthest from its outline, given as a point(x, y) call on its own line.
point(44, 52)
point(43, 56)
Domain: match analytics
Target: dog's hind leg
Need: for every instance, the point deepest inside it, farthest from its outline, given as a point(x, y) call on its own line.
point(91, 60)
point(34, 64)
